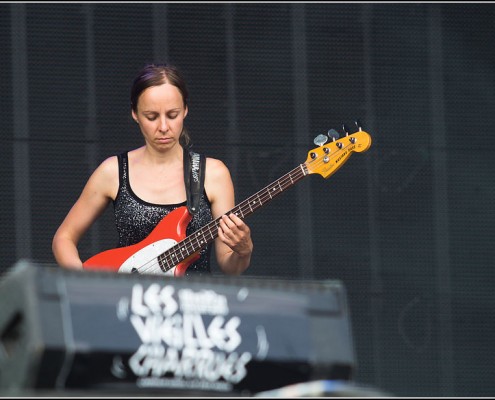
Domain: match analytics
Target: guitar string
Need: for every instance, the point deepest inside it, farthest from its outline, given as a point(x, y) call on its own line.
point(242, 210)
point(245, 208)
point(175, 251)
point(210, 230)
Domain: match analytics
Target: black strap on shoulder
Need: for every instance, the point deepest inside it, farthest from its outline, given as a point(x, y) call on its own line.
point(194, 178)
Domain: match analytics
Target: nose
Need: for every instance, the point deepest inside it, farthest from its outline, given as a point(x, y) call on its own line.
point(163, 124)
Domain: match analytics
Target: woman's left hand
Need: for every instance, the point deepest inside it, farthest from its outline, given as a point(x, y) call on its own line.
point(235, 234)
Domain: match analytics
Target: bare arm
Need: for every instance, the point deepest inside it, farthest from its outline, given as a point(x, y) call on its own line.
point(100, 189)
point(234, 245)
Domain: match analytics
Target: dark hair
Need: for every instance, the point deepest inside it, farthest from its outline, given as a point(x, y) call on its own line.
point(155, 75)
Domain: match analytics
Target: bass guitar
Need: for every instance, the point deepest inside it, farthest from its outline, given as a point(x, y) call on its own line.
point(167, 250)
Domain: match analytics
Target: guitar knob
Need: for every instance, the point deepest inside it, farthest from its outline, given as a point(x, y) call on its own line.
point(345, 129)
point(358, 125)
point(333, 134)
point(320, 140)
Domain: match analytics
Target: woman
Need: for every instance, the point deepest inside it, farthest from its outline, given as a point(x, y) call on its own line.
point(147, 183)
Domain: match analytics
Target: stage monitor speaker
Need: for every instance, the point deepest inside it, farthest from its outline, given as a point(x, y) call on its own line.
point(131, 334)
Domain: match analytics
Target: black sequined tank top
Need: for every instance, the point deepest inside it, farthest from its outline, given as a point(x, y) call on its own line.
point(136, 218)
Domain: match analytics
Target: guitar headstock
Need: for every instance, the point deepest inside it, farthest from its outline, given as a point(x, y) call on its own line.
point(328, 158)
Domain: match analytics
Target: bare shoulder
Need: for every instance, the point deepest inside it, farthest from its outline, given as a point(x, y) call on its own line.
point(219, 186)
point(216, 169)
point(108, 168)
point(105, 178)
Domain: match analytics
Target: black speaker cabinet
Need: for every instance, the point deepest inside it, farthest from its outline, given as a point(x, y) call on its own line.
point(129, 334)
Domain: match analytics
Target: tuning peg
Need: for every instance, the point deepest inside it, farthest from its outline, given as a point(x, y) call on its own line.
point(333, 134)
point(320, 140)
point(345, 129)
point(358, 125)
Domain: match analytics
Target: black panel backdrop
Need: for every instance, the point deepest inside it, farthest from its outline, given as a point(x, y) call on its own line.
point(406, 226)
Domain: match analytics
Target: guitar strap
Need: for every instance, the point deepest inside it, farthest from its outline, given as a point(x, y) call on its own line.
point(194, 178)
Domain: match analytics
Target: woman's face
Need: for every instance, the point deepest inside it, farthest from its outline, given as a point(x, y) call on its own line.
point(160, 114)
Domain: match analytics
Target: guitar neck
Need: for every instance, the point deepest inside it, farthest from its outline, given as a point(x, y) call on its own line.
point(259, 199)
point(199, 239)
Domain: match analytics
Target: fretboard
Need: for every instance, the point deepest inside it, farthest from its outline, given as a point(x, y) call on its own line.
point(199, 239)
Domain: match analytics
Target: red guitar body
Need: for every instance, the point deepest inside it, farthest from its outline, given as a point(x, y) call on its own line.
point(142, 257)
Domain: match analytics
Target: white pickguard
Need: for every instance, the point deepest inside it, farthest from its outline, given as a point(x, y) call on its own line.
point(145, 260)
